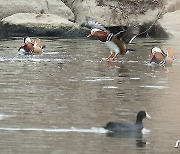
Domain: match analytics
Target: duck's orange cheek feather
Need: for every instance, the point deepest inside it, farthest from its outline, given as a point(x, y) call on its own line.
point(30, 46)
point(159, 56)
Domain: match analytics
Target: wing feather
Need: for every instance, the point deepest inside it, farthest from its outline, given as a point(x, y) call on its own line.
point(128, 35)
point(94, 24)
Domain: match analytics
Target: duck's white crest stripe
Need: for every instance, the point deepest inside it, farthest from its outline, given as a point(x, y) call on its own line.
point(177, 143)
point(156, 49)
point(28, 39)
point(95, 30)
point(109, 37)
point(167, 54)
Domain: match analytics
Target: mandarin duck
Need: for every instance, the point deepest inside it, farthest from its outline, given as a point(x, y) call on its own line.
point(116, 43)
point(162, 56)
point(177, 144)
point(28, 47)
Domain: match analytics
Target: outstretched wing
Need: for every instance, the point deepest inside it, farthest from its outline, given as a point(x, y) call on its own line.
point(94, 24)
point(128, 35)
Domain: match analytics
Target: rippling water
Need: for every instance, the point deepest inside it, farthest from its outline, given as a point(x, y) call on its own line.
point(58, 102)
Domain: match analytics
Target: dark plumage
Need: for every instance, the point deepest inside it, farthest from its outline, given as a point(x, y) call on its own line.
point(128, 127)
point(128, 35)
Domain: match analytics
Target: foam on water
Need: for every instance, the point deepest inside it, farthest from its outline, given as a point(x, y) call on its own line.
point(60, 130)
point(145, 131)
point(2, 59)
point(156, 87)
point(132, 61)
point(110, 87)
point(51, 53)
point(2, 116)
point(135, 78)
point(98, 79)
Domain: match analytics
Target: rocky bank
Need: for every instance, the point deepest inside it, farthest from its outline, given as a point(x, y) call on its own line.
point(170, 20)
point(64, 18)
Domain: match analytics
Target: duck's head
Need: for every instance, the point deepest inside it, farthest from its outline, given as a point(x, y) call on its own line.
point(155, 50)
point(27, 39)
point(98, 32)
point(141, 115)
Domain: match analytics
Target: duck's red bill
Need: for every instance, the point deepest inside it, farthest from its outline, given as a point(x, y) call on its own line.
point(89, 35)
point(150, 55)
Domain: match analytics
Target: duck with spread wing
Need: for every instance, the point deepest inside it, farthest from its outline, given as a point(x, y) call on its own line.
point(117, 43)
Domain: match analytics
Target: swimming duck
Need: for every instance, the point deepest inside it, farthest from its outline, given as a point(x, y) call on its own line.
point(28, 47)
point(162, 56)
point(116, 43)
point(128, 127)
point(177, 144)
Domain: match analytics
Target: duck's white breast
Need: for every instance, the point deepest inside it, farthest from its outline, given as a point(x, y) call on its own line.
point(112, 46)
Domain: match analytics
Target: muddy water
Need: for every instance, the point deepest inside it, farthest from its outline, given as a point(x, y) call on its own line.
point(57, 102)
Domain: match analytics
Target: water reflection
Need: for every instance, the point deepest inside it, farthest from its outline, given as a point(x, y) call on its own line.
point(136, 135)
point(59, 130)
point(141, 143)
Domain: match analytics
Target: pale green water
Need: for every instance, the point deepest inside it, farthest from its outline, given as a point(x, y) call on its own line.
point(50, 103)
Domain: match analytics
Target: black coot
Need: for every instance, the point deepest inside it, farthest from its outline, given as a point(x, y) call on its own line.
point(127, 127)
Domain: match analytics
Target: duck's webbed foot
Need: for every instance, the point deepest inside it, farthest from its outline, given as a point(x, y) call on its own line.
point(113, 58)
